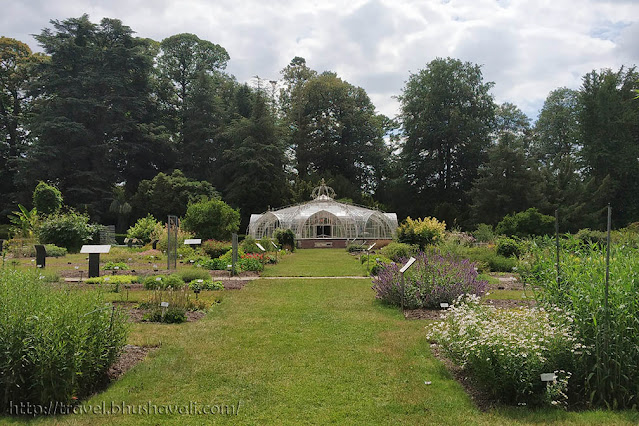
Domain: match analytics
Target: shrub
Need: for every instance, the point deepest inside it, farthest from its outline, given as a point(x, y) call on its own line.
point(285, 238)
point(109, 266)
point(506, 351)
point(47, 199)
point(507, 247)
point(170, 315)
point(143, 229)
point(250, 264)
point(56, 345)
point(249, 245)
point(162, 282)
point(54, 251)
point(214, 248)
point(211, 219)
point(113, 279)
point(398, 251)
point(160, 234)
point(526, 224)
point(355, 247)
point(213, 264)
point(588, 236)
point(69, 230)
point(484, 233)
point(190, 274)
point(376, 263)
point(422, 232)
point(206, 284)
point(488, 260)
point(433, 279)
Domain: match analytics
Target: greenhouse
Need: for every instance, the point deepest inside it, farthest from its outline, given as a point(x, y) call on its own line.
point(324, 222)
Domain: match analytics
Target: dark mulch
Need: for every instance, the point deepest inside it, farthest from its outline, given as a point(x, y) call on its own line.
point(507, 282)
point(423, 314)
point(130, 357)
point(483, 401)
point(137, 315)
point(509, 303)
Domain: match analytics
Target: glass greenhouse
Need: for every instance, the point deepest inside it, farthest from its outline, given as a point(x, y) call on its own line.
point(325, 218)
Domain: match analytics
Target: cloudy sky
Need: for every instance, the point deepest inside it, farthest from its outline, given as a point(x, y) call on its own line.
point(527, 48)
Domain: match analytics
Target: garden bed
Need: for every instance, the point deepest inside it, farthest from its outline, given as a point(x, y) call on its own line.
point(136, 314)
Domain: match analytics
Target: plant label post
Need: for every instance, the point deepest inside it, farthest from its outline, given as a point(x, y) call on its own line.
point(272, 243)
point(557, 246)
point(172, 241)
point(368, 257)
point(1, 245)
point(402, 271)
point(94, 257)
point(154, 244)
point(41, 256)
point(234, 254)
point(259, 246)
point(164, 306)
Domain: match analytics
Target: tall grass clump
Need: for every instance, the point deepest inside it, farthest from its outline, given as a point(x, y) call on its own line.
point(433, 279)
point(55, 344)
point(608, 370)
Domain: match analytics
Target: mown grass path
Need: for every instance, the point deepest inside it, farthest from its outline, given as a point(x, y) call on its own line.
point(302, 351)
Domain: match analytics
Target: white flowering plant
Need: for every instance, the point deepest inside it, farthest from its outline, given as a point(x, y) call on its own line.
point(506, 351)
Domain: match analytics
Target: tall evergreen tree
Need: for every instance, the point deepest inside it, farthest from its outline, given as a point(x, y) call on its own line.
point(609, 132)
point(255, 164)
point(17, 69)
point(91, 121)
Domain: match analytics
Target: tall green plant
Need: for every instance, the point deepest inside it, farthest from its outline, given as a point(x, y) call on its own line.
point(25, 222)
point(607, 369)
point(55, 345)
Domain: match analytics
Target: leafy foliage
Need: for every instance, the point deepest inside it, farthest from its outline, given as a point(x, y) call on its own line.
point(421, 232)
point(215, 248)
point(399, 251)
point(143, 229)
point(47, 199)
point(69, 230)
point(57, 344)
point(285, 238)
point(526, 224)
point(211, 219)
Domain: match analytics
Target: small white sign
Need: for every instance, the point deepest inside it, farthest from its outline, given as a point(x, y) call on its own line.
point(443, 305)
point(408, 265)
point(164, 304)
point(259, 246)
point(274, 245)
point(200, 281)
point(95, 249)
point(192, 241)
point(158, 279)
point(229, 266)
point(548, 377)
point(371, 246)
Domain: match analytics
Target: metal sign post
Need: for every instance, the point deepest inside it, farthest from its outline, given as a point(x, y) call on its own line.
point(402, 271)
point(234, 254)
point(368, 257)
point(94, 257)
point(172, 236)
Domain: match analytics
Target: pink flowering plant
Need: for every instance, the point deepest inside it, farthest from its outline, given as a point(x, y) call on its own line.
point(506, 351)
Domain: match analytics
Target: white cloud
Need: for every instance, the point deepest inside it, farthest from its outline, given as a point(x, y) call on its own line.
point(527, 47)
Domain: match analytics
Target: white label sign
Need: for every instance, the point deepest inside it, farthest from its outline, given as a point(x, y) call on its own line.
point(193, 241)
point(408, 265)
point(443, 305)
point(259, 246)
point(371, 246)
point(274, 245)
point(548, 377)
point(164, 304)
point(95, 249)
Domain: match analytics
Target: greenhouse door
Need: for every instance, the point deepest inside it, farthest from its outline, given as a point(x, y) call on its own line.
point(324, 231)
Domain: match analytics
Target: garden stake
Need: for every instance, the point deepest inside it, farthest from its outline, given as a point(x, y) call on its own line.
point(557, 244)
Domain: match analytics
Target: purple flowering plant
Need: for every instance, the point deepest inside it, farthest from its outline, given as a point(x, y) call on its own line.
point(433, 279)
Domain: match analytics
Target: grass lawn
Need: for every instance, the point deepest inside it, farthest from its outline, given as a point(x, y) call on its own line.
point(317, 263)
point(303, 351)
